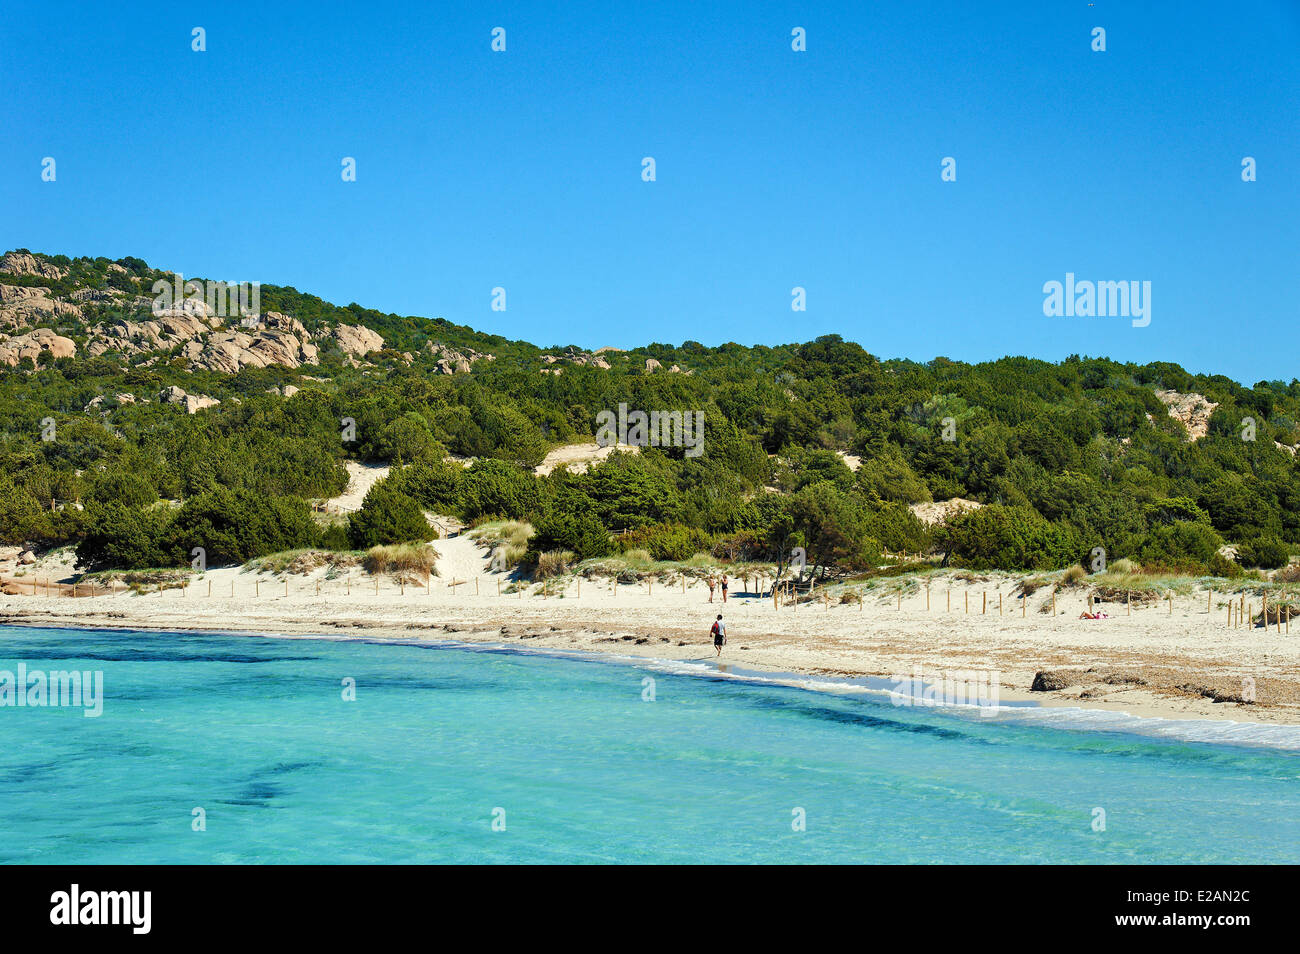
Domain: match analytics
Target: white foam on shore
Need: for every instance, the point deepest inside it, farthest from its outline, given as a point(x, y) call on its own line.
point(1069, 718)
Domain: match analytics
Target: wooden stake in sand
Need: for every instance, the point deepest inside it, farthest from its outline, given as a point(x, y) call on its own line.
point(927, 596)
point(1171, 604)
point(1128, 602)
point(476, 586)
point(985, 608)
point(209, 589)
point(1024, 601)
point(257, 587)
point(1053, 602)
point(499, 586)
point(950, 599)
point(999, 604)
point(968, 602)
point(1209, 601)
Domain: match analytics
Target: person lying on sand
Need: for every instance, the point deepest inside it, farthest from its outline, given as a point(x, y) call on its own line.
point(1097, 615)
point(719, 632)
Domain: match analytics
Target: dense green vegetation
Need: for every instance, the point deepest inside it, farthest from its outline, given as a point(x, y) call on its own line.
point(1069, 457)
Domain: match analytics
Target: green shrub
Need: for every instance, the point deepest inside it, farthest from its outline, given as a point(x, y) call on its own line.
point(1009, 538)
point(666, 541)
point(580, 533)
point(1266, 553)
point(233, 526)
point(387, 516)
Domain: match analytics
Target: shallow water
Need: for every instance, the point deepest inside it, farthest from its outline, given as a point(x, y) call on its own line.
point(256, 733)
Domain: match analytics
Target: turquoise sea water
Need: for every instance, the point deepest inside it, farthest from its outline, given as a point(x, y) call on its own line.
point(256, 733)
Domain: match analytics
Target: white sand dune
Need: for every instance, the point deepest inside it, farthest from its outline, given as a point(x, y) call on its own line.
point(578, 457)
point(361, 477)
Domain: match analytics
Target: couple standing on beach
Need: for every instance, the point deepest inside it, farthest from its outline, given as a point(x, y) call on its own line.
point(713, 583)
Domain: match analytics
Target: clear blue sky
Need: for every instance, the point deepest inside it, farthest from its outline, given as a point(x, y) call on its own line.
point(775, 168)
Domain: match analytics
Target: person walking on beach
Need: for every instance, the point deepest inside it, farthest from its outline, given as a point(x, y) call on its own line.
point(719, 632)
point(724, 588)
point(712, 583)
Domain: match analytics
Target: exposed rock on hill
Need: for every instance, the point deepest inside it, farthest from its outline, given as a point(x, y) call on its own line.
point(279, 339)
point(24, 263)
point(1192, 409)
point(192, 402)
point(356, 340)
point(21, 306)
point(451, 361)
point(30, 344)
point(580, 358)
point(203, 338)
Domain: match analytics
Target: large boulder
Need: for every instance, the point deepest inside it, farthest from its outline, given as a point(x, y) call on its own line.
point(30, 344)
point(357, 340)
point(192, 402)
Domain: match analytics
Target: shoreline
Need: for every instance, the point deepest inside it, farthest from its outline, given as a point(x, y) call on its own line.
point(1022, 710)
point(1150, 665)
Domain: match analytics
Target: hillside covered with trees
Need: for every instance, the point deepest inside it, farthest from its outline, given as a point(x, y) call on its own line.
point(820, 444)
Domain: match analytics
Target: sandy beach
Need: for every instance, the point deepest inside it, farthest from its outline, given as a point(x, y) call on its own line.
point(1149, 662)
